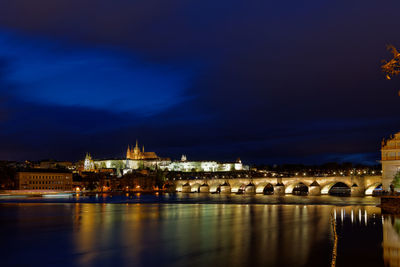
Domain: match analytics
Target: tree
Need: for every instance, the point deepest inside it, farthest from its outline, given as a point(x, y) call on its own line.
point(159, 178)
point(396, 180)
point(392, 67)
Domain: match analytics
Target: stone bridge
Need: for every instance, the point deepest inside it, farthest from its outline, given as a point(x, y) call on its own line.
point(359, 185)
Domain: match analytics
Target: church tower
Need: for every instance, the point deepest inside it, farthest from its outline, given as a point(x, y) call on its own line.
point(89, 163)
point(136, 151)
point(136, 154)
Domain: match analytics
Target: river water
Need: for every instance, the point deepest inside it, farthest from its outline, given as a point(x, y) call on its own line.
point(175, 230)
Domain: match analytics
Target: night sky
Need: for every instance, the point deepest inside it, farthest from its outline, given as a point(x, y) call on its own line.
point(266, 81)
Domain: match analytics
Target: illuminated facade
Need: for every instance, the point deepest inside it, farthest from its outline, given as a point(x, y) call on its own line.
point(39, 179)
point(135, 153)
point(138, 159)
point(390, 160)
point(202, 166)
point(88, 165)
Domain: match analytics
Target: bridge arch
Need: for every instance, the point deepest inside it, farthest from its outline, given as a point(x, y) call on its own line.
point(214, 186)
point(260, 187)
point(225, 188)
point(298, 185)
point(250, 188)
point(204, 188)
point(195, 187)
point(326, 189)
point(370, 190)
point(268, 189)
point(239, 186)
point(186, 188)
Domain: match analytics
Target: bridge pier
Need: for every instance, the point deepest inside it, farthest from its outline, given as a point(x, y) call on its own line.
point(225, 188)
point(204, 188)
point(186, 188)
point(314, 189)
point(279, 189)
point(357, 191)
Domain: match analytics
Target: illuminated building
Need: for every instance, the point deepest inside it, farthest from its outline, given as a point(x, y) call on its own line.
point(390, 160)
point(139, 159)
point(135, 153)
point(89, 163)
point(42, 179)
point(202, 166)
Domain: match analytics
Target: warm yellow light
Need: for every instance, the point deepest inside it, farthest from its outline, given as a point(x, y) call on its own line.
point(77, 189)
point(138, 186)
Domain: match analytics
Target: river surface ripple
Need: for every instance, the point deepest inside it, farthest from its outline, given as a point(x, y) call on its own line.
point(175, 230)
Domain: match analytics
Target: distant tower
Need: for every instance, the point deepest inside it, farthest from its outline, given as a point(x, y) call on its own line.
point(136, 151)
point(183, 158)
point(128, 152)
point(88, 164)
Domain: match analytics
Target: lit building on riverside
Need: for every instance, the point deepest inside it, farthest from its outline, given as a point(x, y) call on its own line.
point(390, 160)
point(44, 179)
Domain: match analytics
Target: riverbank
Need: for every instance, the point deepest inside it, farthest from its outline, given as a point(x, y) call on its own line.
point(390, 204)
point(54, 192)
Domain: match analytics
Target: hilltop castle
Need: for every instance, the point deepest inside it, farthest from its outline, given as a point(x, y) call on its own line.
point(135, 153)
point(139, 159)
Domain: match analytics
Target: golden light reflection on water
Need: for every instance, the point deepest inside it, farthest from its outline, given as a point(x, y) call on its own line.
point(192, 235)
point(391, 241)
point(200, 234)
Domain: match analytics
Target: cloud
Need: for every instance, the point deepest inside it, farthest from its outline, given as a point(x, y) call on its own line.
point(53, 73)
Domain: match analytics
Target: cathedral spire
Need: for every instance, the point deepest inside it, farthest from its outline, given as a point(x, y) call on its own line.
point(143, 149)
point(137, 144)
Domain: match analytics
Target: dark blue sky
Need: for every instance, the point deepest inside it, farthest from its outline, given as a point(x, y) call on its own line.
point(267, 81)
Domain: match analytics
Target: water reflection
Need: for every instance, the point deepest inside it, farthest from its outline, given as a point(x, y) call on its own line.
point(180, 235)
point(391, 241)
point(102, 234)
point(357, 232)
